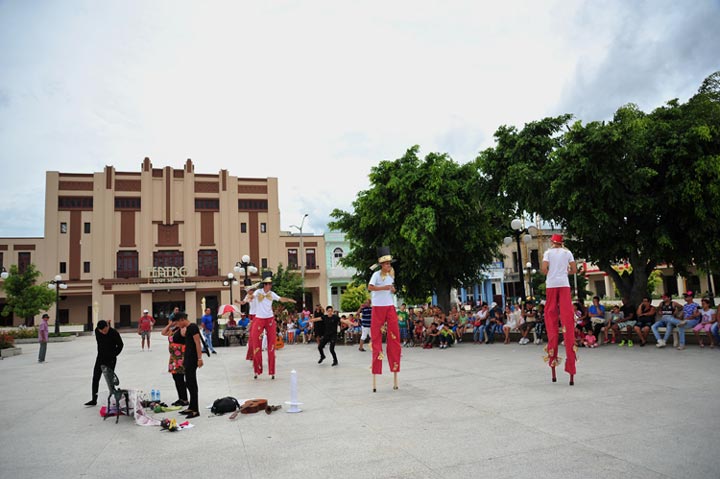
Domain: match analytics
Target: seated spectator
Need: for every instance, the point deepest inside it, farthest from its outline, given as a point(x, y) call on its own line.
point(582, 323)
point(529, 315)
point(463, 320)
point(540, 323)
point(707, 319)
point(645, 318)
point(668, 310)
point(596, 313)
point(691, 317)
point(403, 324)
point(494, 325)
point(231, 323)
point(244, 321)
point(303, 328)
point(419, 333)
point(628, 322)
point(479, 324)
point(590, 341)
point(616, 317)
point(445, 335)
point(514, 318)
point(431, 336)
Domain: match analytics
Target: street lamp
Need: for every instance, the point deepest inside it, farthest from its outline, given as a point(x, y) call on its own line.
point(518, 231)
point(57, 284)
point(302, 257)
point(246, 268)
point(4, 275)
point(530, 272)
point(230, 282)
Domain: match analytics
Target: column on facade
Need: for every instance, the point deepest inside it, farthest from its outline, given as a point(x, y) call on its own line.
point(609, 286)
point(680, 284)
point(146, 298)
point(191, 307)
point(107, 310)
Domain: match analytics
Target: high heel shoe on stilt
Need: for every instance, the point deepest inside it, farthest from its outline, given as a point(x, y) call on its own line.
point(554, 378)
point(572, 380)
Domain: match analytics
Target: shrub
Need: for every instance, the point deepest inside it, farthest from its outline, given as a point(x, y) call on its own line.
point(6, 341)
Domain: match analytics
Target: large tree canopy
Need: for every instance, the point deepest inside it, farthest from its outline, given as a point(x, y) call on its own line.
point(643, 188)
point(431, 213)
point(25, 298)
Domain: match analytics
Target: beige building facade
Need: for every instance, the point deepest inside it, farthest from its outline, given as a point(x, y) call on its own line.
point(156, 239)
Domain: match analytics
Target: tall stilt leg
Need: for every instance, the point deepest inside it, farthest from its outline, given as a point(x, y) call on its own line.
point(572, 380)
point(554, 378)
point(395, 382)
point(374, 386)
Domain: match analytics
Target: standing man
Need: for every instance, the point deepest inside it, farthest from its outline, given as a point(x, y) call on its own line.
point(207, 329)
point(332, 321)
point(557, 263)
point(145, 325)
point(365, 313)
point(265, 320)
point(109, 346)
point(382, 288)
point(43, 334)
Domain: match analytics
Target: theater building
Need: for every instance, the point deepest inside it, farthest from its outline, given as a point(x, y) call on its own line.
point(156, 239)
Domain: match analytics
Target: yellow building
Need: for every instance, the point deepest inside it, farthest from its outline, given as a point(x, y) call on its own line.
point(156, 239)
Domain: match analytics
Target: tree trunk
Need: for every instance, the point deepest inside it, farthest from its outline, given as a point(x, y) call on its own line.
point(633, 285)
point(442, 291)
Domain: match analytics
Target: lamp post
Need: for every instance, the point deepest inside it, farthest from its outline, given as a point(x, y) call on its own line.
point(230, 282)
point(4, 275)
point(530, 271)
point(302, 257)
point(57, 284)
point(246, 268)
point(517, 232)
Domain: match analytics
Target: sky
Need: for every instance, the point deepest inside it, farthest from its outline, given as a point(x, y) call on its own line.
point(316, 93)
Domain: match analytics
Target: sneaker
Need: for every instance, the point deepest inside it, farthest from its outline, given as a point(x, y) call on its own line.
point(214, 352)
point(621, 344)
point(660, 344)
point(92, 402)
point(681, 347)
point(630, 343)
point(682, 322)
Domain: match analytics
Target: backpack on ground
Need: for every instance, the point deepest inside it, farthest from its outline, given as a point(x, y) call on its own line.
point(224, 405)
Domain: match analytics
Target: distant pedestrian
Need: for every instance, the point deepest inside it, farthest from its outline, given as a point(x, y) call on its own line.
point(365, 313)
point(145, 324)
point(207, 329)
point(43, 333)
point(109, 346)
point(332, 321)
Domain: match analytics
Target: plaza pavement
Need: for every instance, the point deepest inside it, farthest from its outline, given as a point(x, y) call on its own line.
point(470, 411)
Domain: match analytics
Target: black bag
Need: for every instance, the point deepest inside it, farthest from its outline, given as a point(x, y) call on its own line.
point(224, 405)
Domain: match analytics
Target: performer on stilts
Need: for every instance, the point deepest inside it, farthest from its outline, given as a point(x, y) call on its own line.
point(557, 263)
point(382, 289)
point(250, 300)
point(265, 320)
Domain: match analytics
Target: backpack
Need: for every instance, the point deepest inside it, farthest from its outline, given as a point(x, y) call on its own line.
point(224, 405)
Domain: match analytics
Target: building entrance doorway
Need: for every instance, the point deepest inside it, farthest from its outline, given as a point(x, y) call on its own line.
point(161, 311)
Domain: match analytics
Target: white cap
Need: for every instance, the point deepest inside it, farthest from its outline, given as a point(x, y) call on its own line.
point(145, 311)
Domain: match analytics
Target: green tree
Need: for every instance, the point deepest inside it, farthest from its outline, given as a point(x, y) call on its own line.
point(354, 296)
point(25, 298)
point(432, 215)
point(643, 188)
point(288, 284)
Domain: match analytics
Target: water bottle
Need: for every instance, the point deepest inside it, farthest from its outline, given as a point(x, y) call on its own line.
point(157, 395)
point(152, 395)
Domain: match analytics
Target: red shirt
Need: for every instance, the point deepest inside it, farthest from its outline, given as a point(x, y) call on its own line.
point(146, 323)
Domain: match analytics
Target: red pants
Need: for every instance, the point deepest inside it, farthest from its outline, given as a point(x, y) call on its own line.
point(559, 299)
point(258, 324)
point(249, 355)
point(380, 316)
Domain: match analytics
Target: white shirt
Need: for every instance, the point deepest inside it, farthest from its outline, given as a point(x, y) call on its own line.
point(559, 259)
point(263, 307)
point(381, 298)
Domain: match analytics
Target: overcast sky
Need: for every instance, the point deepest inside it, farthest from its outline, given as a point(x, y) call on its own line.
point(316, 92)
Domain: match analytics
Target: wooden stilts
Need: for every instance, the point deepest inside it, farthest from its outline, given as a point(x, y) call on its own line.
point(374, 386)
point(395, 382)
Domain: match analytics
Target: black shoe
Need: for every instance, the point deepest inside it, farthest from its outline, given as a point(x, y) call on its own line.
point(187, 411)
point(180, 402)
point(335, 363)
point(322, 358)
point(92, 402)
point(191, 414)
point(214, 352)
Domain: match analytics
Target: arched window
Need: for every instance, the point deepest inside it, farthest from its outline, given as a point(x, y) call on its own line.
point(337, 256)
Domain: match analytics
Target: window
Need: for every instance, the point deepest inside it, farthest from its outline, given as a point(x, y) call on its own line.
point(252, 205)
point(263, 263)
point(337, 256)
point(310, 258)
point(263, 227)
point(535, 258)
point(168, 258)
point(207, 262)
point(127, 264)
point(206, 204)
point(243, 227)
point(75, 203)
point(86, 227)
point(23, 261)
point(127, 204)
point(86, 266)
point(292, 258)
point(63, 267)
point(63, 228)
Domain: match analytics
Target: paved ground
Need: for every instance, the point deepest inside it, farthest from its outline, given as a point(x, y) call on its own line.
point(470, 411)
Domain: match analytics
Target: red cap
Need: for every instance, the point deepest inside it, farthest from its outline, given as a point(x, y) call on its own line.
point(689, 293)
point(556, 238)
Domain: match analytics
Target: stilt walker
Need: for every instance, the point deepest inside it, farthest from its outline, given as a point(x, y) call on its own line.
point(265, 320)
point(250, 299)
point(557, 263)
point(382, 289)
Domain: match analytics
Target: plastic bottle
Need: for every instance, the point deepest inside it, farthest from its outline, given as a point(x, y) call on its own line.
point(153, 395)
point(157, 395)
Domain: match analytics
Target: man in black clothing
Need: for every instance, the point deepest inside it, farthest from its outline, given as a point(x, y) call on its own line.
point(109, 346)
point(330, 322)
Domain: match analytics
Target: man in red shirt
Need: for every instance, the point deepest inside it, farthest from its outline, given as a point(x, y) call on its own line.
point(145, 325)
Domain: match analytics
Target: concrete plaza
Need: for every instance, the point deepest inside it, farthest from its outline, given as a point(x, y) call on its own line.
point(469, 411)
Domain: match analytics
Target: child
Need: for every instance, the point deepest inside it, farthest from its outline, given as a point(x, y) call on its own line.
point(590, 341)
point(419, 330)
point(708, 318)
point(290, 330)
point(616, 316)
point(431, 336)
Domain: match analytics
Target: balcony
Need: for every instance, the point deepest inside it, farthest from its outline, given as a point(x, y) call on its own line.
point(207, 271)
point(127, 274)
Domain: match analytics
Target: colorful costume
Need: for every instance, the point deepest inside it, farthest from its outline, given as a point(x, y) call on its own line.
point(383, 311)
